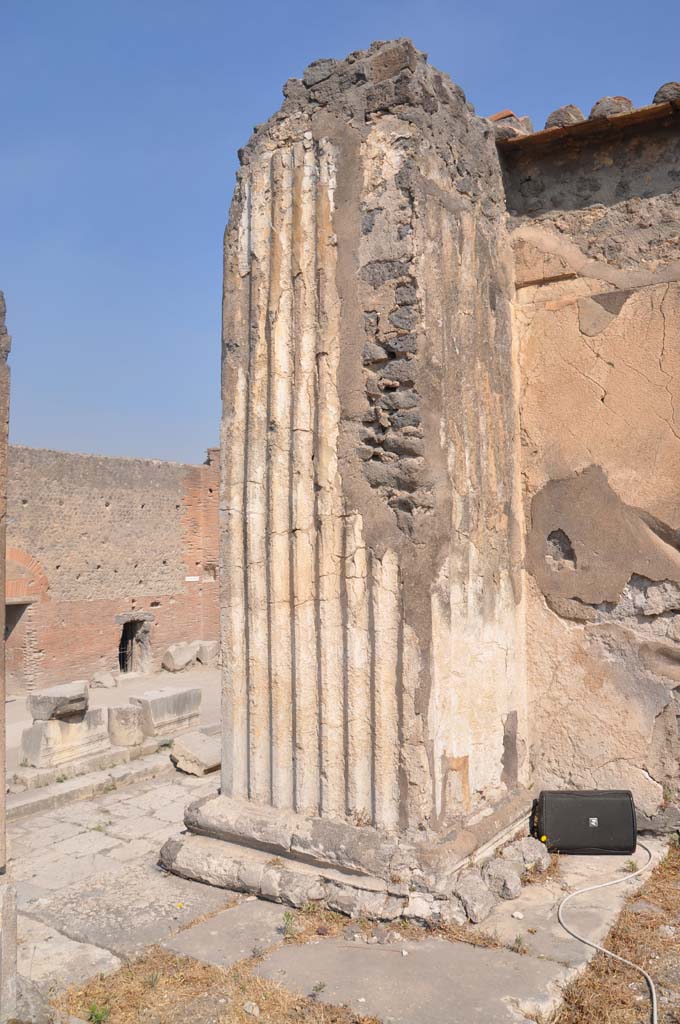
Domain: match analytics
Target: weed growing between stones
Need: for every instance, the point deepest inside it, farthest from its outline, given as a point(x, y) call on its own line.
point(186, 990)
point(646, 933)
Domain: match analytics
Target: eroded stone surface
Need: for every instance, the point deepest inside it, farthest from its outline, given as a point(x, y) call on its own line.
point(180, 656)
point(125, 725)
point(232, 935)
point(196, 753)
point(61, 701)
point(50, 744)
point(168, 710)
point(372, 532)
point(563, 116)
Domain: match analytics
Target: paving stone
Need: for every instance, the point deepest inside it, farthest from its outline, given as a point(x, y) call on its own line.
point(40, 837)
point(136, 849)
point(86, 815)
point(437, 981)
point(52, 960)
point(86, 844)
point(139, 827)
point(173, 812)
point(51, 874)
point(233, 934)
point(128, 908)
point(592, 914)
point(158, 796)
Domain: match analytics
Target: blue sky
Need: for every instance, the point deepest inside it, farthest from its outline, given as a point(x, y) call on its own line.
point(120, 125)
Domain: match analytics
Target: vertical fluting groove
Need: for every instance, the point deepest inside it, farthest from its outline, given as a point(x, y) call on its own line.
point(236, 779)
point(279, 491)
point(318, 443)
point(304, 527)
point(373, 767)
point(256, 508)
point(329, 503)
point(386, 668)
point(359, 711)
point(271, 315)
point(402, 784)
point(345, 668)
point(234, 692)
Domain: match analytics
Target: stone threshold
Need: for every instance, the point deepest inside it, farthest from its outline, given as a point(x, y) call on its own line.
point(84, 787)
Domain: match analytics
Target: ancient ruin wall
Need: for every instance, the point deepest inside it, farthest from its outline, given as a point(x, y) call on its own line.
point(91, 538)
point(598, 314)
point(371, 607)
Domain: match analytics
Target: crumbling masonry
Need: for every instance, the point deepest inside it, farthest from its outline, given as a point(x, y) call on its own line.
point(450, 518)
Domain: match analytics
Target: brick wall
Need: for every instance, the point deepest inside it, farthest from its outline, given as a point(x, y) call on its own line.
point(90, 538)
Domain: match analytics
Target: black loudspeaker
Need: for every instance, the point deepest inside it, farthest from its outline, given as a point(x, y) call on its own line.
point(586, 821)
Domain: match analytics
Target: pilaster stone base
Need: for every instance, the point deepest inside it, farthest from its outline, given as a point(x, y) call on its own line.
point(359, 871)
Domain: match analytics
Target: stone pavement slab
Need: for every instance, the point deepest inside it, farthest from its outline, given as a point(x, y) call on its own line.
point(233, 934)
point(53, 961)
point(126, 909)
point(437, 982)
point(592, 915)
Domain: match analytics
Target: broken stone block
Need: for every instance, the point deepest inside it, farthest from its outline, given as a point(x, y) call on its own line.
point(103, 681)
point(180, 656)
point(168, 711)
point(475, 895)
point(62, 701)
point(503, 878)
point(610, 105)
point(420, 907)
point(529, 852)
point(452, 911)
point(668, 93)
point(196, 754)
point(207, 652)
point(125, 725)
point(50, 744)
point(663, 823)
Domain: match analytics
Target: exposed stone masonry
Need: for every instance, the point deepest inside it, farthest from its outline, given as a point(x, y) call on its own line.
point(393, 446)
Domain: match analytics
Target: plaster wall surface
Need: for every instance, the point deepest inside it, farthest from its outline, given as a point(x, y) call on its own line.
point(93, 539)
point(598, 320)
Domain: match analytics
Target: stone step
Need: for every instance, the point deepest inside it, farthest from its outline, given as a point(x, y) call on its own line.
point(284, 879)
point(83, 787)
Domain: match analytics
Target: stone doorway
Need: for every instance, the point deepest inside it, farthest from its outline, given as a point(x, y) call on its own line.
point(134, 647)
